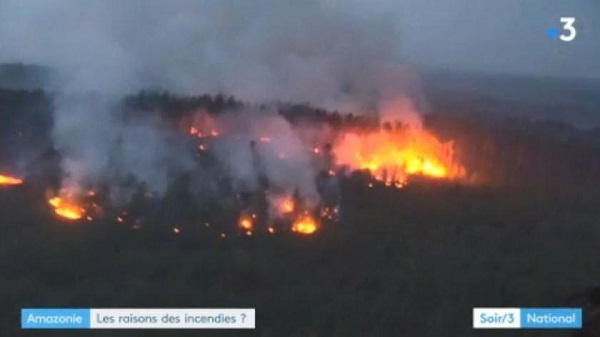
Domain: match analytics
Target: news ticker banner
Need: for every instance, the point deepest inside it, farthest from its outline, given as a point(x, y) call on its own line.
point(136, 318)
point(244, 318)
point(527, 318)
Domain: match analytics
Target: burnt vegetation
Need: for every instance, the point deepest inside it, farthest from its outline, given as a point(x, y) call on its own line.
point(414, 261)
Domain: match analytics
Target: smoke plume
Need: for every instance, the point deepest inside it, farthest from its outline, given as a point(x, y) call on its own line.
point(316, 52)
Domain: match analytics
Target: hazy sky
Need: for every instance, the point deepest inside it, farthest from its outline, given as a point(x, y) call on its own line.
point(502, 35)
point(324, 51)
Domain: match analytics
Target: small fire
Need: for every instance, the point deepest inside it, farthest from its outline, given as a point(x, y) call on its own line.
point(246, 223)
point(200, 125)
point(8, 180)
point(286, 206)
point(281, 206)
point(66, 209)
point(306, 224)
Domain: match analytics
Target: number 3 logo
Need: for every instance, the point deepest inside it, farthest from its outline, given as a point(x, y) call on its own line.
point(568, 21)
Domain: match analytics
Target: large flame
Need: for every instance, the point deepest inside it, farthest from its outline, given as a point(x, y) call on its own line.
point(66, 209)
point(393, 156)
point(305, 224)
point(8, 180)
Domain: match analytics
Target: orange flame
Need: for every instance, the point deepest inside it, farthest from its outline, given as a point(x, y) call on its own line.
point(281, 205)
point(393, 156)
point(305, 224)
point(8, 180)
point(200, 125)
point(286, 206)
point(246, 223)
point(66, 209)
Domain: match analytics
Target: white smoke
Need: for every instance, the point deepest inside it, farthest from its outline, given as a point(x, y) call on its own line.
point(98, 147)
point(282, 157)
point(318, 52)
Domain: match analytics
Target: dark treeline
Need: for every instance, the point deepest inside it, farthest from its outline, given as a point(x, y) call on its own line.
point(172, 106)
point(25, 127)
point(21, 76)
point(547, 155)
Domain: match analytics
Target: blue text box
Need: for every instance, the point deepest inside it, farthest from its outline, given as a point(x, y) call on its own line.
point(556, 318)
point(55, 318)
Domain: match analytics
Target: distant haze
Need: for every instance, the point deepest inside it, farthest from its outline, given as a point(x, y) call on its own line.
point(505, 37)
point(330, 52)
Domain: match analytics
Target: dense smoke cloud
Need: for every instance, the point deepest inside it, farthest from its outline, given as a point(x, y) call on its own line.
point(317, 52)
point(280, 141)
point(97, 147)
point(310, 51)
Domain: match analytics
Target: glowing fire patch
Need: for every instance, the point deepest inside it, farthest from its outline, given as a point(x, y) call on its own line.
point(306, 224)
point(8, 180)
point(286, 206)
point(393, 156)
point(246, 223)
point(66, 210)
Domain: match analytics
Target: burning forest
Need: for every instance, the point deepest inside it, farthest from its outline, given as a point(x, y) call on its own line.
point(254, 165)
point(266, 173)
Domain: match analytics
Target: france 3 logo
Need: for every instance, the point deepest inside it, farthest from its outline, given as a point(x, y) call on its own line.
point(568, 31)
